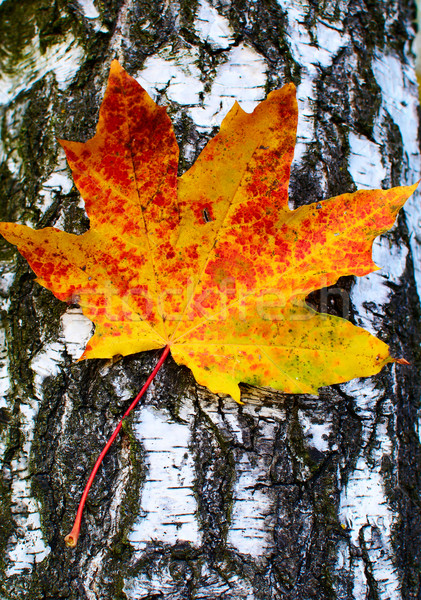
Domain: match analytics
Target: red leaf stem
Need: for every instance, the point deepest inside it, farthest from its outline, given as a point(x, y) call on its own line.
point(72, 537)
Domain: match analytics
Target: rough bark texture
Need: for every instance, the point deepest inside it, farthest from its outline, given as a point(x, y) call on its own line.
point(290, 497)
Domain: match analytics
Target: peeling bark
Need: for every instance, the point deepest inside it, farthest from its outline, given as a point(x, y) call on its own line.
point(290, 497)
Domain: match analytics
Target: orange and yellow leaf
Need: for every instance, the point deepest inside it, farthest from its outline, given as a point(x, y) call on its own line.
point(213, 264)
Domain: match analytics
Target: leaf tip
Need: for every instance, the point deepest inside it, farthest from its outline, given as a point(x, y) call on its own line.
point(235, 393)
point(290, 87)
point(62, 143)
point(115, 66)
point(401, 361)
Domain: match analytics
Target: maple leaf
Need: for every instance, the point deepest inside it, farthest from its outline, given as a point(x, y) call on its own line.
point(214, 266)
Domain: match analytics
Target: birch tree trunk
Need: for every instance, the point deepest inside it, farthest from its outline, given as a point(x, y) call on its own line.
point(286, 497)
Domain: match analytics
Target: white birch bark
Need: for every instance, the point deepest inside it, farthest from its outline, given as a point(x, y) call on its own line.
point(284, 497)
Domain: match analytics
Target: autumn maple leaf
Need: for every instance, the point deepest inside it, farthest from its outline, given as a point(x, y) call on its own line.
point(213, 265)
